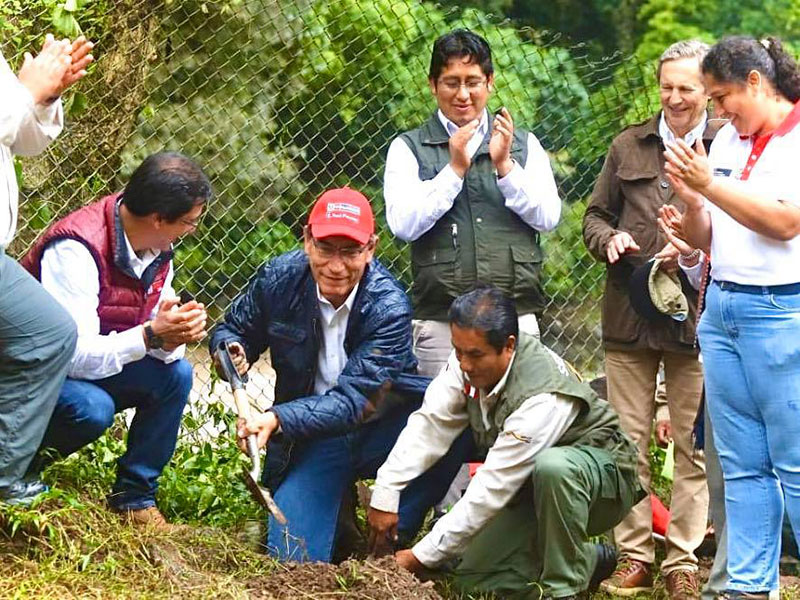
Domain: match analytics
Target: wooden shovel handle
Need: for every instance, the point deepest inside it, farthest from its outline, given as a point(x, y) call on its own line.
point(242, 404)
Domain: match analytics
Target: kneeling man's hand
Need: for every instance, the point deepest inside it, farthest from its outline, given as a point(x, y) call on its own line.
point(179, 325)
point(383, 531)
point(263, 425)
point(407, 560)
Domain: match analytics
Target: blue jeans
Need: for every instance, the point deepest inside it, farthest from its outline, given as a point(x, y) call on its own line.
point(321, 472)
point(751, 351)
point(85, 409)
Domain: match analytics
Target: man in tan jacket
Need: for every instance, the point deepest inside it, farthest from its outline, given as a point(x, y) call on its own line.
point(620, 228)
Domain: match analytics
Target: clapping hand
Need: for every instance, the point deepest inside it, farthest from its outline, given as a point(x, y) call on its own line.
point(57, 66)
point(500, 142)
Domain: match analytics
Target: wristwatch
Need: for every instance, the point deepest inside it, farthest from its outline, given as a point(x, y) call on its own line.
point(153, 341)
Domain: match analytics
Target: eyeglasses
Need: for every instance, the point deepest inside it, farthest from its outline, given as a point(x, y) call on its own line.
point(454, 85)
point(193, 223)
point(347, 254)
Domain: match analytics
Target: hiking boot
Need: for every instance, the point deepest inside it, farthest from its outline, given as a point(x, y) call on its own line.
point(630, 578)
point(737, 595)
point(682, 585)
point(149, 517)
point(23, 493)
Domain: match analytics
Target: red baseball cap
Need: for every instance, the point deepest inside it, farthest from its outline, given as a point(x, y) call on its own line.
point(342, 211)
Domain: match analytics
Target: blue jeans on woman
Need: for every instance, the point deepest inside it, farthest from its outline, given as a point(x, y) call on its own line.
point(85, 409)
point(750, 339)
point(322, 471)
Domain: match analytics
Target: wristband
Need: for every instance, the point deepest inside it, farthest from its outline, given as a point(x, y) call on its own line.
point(153, 341)
point(692, 255)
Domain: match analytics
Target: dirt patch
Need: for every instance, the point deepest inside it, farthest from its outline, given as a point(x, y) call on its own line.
point(359, 580)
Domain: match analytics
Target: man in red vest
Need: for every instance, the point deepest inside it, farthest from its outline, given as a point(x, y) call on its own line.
point(110, 265)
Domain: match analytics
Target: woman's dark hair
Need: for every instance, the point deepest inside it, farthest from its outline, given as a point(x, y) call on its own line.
point(168, 184)
point(488, 310)
point(732, 59)
point(460, 43)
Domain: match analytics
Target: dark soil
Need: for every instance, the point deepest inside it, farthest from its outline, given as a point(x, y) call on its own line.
point(368, 580)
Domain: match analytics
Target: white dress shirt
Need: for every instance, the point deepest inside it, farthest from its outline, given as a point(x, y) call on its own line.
point(26, 129)
point(70, 274)
point(414, 206)
point(696, 133)
point(332, 358)
point(536, 425)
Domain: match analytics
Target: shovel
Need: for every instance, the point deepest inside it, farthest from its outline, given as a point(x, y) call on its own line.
point(261, 495)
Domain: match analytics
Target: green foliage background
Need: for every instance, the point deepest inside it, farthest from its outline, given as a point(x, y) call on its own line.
point(281, 99)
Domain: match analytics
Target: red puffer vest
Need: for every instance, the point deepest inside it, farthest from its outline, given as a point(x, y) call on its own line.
point(125, 300)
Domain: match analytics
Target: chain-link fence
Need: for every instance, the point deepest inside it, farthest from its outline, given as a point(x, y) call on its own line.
point(280, 99)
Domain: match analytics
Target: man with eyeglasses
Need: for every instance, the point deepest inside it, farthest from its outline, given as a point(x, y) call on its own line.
point(338, 328)
point(471, 192)
point(109, 264)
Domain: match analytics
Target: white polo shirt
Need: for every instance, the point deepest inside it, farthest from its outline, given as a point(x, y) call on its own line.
point(739, 254)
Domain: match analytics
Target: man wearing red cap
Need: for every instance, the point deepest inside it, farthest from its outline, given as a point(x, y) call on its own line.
point(338, 327)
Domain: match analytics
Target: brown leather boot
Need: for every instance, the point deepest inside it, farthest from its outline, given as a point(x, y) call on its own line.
point(150, 518)
point(631, 577)
point(682, 585)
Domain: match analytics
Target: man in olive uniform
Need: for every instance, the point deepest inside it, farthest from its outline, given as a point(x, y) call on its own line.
point(557, 466)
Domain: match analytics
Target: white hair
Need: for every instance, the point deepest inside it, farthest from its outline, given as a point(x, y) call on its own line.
point(683, 49)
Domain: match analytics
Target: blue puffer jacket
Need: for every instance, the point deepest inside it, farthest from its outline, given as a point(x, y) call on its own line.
point(279, 310)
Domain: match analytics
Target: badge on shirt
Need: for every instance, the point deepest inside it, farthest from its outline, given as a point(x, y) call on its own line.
point(722, 172)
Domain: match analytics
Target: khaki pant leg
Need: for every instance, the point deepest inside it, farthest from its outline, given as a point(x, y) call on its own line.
point(631, 391)
point(689, 506)
point(432, 345)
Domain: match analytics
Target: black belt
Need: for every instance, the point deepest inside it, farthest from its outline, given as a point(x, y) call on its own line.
point(780, 290)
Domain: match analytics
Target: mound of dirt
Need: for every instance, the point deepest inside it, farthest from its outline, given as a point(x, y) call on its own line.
point(378, 579)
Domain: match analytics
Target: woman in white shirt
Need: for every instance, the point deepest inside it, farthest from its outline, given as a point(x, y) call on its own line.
point(744, 202)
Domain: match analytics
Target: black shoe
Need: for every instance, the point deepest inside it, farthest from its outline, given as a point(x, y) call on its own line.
point(606, 563)
point(23, 492)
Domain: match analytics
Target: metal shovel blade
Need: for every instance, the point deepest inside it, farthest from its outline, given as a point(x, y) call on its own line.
point(263, 496)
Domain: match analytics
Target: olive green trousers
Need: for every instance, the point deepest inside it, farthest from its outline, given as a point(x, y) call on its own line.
point(539, 545)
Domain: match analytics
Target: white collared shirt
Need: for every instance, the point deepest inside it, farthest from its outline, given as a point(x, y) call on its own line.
point(536, 425)
point(331, 357)
point(26, 129)
point(740, 254)
point(70, 274)
point(414, 206)
point(696, 133)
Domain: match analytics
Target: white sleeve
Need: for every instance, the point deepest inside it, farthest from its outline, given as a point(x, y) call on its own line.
point(536, 425)
point(694, 274)
point(26, 128)
point(427, 436)
point(413, 206)
point(71, 276)
point(167, 291)
point(531, 191)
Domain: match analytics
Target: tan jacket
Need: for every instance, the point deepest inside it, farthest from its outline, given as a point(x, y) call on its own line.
point(626, 197)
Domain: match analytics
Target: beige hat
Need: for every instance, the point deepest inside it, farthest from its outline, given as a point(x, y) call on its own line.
point(656, 294)
point(666, 292)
